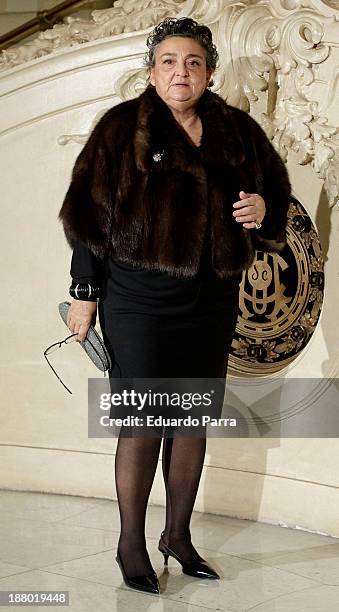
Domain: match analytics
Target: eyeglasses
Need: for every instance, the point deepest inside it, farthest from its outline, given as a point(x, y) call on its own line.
point(54, 347)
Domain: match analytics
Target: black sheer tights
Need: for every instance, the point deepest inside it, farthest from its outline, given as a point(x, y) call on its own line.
point(135, 466)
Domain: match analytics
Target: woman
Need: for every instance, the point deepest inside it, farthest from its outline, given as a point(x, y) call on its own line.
point(179, 189)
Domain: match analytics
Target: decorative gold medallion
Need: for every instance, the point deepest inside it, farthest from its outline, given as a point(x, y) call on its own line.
point(280, 300)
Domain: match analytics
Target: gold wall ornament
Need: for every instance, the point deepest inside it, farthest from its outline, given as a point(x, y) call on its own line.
point(280, 300)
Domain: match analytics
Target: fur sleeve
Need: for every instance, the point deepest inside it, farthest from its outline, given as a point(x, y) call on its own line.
point(86, 210)
point(275, 187)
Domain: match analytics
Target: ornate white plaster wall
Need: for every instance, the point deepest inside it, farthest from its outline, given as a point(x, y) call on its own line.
point(52, 91)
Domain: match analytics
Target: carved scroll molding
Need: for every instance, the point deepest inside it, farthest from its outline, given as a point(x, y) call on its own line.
point(293, 41)
point(296, 41)
point(125, 16)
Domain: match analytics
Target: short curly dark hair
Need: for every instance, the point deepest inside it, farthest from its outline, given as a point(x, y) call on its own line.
point(183, 26)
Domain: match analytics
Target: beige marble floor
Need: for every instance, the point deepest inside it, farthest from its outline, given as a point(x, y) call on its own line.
point(59, 542)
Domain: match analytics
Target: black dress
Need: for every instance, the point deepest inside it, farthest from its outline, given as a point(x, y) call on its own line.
point(155, 324)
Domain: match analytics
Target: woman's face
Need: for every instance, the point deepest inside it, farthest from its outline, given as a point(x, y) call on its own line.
point(180, 75)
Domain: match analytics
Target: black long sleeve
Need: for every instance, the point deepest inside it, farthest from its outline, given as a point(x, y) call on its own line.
point(85, 266)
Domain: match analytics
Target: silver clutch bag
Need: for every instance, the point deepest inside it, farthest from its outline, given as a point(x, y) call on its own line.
point(93, 344)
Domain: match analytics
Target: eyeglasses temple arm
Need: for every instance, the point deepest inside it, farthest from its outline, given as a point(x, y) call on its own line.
point(50, 365)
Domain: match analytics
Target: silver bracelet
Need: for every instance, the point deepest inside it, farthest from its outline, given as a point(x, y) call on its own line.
point(84, 291)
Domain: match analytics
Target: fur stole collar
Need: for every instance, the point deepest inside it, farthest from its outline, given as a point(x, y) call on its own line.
point(221, 140)
point(142, 191)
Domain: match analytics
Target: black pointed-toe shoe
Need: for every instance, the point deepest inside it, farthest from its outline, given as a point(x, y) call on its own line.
point(148, 583)
point(198, 568)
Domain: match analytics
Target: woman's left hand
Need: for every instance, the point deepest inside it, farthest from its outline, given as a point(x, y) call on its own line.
point(251, 207)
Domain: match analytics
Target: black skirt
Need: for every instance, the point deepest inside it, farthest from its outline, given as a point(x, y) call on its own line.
point(158, 325)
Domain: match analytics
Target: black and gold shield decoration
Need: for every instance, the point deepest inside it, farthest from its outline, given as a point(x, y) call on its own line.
point(280, 300)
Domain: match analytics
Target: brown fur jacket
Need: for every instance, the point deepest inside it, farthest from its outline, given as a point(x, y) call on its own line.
point(140, 189)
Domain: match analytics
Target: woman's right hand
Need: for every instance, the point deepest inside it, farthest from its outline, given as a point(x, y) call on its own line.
point(81, 314)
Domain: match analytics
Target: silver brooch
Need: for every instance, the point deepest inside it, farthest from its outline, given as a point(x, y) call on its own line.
point(158, 156)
